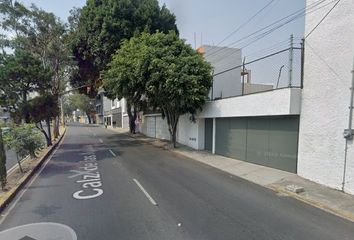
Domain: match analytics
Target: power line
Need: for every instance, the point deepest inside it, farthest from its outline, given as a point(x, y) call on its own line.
point(270, 48)
point(256, 60)
point(245, 23)
point(295, 15)
point(264, 34)
point(324, 17)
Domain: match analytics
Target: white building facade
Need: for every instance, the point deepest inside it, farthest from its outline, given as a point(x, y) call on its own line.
point(323, 155)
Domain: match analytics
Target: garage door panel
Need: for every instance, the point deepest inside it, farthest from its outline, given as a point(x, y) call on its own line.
point(222, 137)
point(257, 140)
point(208, 134)
point(238, 138)
point(283, 142)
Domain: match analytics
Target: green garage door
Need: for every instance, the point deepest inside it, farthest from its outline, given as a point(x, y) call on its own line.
point(208, 134)
point(267, 141)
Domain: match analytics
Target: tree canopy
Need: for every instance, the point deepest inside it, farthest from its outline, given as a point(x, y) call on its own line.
point(83, 103)
point(20, 74)
point(100, 26)
point(162, 71)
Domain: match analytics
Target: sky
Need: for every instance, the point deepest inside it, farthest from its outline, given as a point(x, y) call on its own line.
point(211, 21)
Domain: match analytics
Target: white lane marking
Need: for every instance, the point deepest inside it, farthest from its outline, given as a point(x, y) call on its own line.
point(100, 140)
point(30, 183)
point(114, 155)
point(145, 192)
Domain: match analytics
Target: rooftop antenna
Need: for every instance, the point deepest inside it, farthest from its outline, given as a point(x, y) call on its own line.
point(195, 40)
point(201, 39)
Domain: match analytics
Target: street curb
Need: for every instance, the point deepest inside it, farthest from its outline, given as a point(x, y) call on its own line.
point(339, 213)
point(25, 179)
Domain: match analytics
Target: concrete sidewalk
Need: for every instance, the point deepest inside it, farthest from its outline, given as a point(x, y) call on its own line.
point(284, 183)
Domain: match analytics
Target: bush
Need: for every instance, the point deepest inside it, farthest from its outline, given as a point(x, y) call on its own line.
point(24, 139)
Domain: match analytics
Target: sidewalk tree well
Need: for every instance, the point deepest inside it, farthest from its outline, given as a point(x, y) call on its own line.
point(98, 29)
point(162, 71)
point(3, 172)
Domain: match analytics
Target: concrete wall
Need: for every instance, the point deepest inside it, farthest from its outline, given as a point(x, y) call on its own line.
point(153, 125)
point(255, 88)
point(191, 133)
point(277, 102)
point(325, 99)
point(222, 58)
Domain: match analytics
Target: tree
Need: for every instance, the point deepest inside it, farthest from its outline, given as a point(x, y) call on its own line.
point(100, 26)
point(68, 108)
point(3, 172)
point(126, 76)
point(164, 71)
point(45, 37)
point(83, 103)
point(43, 108)
point(21, 74)
point(25, 139)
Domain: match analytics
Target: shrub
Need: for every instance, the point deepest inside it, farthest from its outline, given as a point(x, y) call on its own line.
point(24, 139)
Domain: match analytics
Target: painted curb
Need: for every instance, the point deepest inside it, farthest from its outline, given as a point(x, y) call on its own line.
point(25, 179)
point(339, 213)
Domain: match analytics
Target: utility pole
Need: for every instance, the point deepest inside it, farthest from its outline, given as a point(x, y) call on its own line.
point(291, 60)
point(302, 62)
point(243, 75)
point(348, 133)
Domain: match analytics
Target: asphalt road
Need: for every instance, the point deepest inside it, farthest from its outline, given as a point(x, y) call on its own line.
point(194, 201)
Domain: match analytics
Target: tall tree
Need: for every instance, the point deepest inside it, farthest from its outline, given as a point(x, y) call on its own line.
point(163, 71)
point(45, 36)
point(100, 26)
point(21, 74)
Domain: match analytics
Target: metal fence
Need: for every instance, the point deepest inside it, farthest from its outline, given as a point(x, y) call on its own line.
point(275, 70)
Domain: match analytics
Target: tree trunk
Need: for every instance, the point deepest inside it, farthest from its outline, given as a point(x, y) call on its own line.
point(56, 127)
point(19, 163)
point(48, 140)
point(3, 173)
point(89, 118)
point(172, 121)
point(49, 132)
point(132, 117)
point(26, 117)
